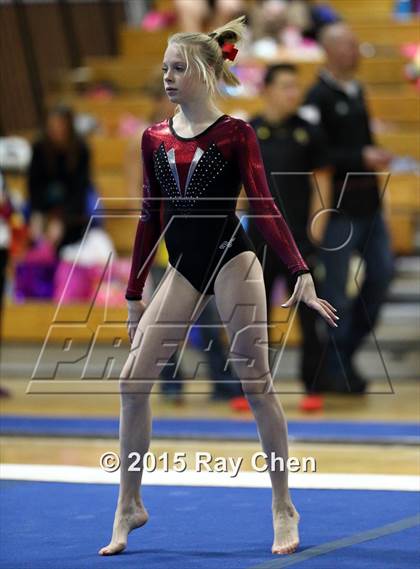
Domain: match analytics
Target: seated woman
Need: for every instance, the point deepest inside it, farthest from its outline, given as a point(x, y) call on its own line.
point(58, 183)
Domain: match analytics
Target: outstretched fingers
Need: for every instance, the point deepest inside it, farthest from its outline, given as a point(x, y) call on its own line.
point(327, 303)
point(328, 308)
point(316, 305)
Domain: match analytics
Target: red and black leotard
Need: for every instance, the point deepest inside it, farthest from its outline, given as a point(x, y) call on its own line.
point(190, 191)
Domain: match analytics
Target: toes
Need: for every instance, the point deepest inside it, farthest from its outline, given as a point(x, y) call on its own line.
point(111, 550)
point(103, 551)
point(284, 550)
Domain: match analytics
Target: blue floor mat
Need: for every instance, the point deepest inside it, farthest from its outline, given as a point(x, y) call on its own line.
point(48, 525)
point(228, 429)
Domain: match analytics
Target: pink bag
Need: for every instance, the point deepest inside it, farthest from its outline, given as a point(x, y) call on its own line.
point(88, 284)
point(77, 288)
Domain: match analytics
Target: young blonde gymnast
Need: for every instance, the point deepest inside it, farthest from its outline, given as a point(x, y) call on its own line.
point(194, 165)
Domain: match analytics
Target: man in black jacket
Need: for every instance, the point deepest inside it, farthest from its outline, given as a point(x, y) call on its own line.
point(298, 172)
point(337, 102)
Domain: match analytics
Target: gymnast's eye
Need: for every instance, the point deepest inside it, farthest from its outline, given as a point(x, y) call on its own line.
point(176, 67)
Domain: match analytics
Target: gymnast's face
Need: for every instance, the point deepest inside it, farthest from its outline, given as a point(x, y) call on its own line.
point(180, 86)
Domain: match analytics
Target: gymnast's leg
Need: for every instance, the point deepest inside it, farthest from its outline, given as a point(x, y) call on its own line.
point(241, 301)
point(162, 329)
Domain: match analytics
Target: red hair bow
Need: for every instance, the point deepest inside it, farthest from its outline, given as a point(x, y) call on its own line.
point(229, 51)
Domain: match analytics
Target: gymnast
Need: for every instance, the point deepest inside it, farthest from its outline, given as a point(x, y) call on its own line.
point(194, 165)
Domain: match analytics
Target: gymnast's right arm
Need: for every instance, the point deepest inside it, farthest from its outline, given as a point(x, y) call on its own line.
point(149, 226)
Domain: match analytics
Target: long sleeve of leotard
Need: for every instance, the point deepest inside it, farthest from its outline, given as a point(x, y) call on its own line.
point(149, 226)
point(272, 224)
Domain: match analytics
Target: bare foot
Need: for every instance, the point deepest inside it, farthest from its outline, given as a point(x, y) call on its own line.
point(126, 519)
point(286, 535)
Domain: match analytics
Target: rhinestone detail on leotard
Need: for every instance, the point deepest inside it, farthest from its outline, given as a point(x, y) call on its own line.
point(208, 167)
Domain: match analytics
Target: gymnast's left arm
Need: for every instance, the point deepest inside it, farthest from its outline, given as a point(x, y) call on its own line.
point(271, 222)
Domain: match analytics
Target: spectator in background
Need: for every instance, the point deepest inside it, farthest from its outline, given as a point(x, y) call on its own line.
point(273, 18)
point(58, 184)
point(337, 102)
point(268, 19)
point(293, 150)
point(199, 15)
point(320, 14)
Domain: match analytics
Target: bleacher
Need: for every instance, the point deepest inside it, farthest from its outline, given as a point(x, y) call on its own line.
point(393, 102)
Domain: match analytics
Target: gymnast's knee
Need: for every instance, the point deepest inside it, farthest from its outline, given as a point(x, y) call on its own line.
point(256, 389)
point(135, 390)
point(131, 384)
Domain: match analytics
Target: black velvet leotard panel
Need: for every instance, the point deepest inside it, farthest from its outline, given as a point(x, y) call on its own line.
point(190, 192)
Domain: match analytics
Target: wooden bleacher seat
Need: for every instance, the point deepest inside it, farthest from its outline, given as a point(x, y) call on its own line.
point(133, 73)
point(404, 193)
point(388, 32)
point(401, 143)
point(360, 10)
point(109, 113)
point(109, 152)
point(149, 46)
point(31, 321)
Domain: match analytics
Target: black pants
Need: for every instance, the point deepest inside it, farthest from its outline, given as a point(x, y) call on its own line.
point(313, 348)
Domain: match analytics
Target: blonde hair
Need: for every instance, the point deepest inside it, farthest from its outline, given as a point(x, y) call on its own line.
point(203, 54)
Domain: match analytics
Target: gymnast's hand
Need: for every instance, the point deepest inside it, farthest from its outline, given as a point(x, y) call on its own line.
point(135, 311)
point(305, 290)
